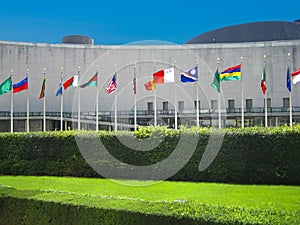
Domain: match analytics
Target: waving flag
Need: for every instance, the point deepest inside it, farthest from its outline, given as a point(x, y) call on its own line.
point(216, 82)
point(296, 76)
point(263, 82)
point(42, 94)
point(164, 76)
point(150, 85)
point(232, 73)
point(72, 82)
point(288, 80)
point(5, 86)
point(189, 76)
point(21, 86)
point(60, 88)
point(92, 82)
point(112, 86)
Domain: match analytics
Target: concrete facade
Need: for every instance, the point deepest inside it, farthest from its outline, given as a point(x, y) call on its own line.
point(148, 58)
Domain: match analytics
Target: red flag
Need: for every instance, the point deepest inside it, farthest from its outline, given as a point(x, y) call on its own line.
point(150, 85)
point(68, 83)
point(112, 86)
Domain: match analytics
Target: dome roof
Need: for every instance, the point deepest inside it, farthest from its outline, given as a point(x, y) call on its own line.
point(251, 32)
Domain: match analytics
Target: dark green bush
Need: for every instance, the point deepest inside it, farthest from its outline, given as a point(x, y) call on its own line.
point(252, 155)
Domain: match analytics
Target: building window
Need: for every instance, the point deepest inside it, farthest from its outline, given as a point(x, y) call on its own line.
point(195, 104)
point(231, 105)
point(165, 106)
point(269, 102)
point(150, 106)
point(181, 105)
point(214, 104)
point(286, 103)
point(249, 105)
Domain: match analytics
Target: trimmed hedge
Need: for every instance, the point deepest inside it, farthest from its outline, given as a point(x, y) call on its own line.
point(252, 155)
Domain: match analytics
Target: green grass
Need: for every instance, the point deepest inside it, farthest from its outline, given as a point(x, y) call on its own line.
point(206, 202)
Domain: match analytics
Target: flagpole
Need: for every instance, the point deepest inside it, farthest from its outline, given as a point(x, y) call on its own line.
point(197, 98)
point(242, 95)
point(219, 98)
point(155, 115)
point(78, 88)
point(27, 119)
point(266, 107)
point(97, 100)
point(44, 116)
point(116, 116)
point(12, 104)
point(175, 101)
point(134, 87)
point(290, 93)
point(61, 99)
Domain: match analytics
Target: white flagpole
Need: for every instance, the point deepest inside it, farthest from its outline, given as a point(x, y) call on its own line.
point(44, 115)
point(12, 104)
point(242, 96)
point(27, 114)
point(197, 97)
point(290, 93)
point(155, 113)
point(78, 104)
point(61, 99)
point(134, 87)
point(175, 101)
point(266, 104)
point(116, 116)
point(219, 98)
point(97, 101)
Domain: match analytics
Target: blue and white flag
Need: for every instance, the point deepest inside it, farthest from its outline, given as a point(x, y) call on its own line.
point(288, 80)
point(189, 76)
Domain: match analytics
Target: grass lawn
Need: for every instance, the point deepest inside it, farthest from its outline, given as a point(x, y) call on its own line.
point(218, 203)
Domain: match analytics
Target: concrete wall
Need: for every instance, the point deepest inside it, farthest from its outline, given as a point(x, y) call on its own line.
point(120, 59)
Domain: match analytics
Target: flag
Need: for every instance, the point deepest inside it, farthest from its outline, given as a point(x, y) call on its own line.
point(5, 86)
point(263, 82)
point(288, 80)
point(134, 85)
point(216, 82)
point(60, 88)
point(232, 73)
point(92, 82)
point(150, 85)
point(42, 94)
point(112, 86)
point(296, 76)
point(189, 76)
point(164, 76)
point(21, 86)
point(68, 83)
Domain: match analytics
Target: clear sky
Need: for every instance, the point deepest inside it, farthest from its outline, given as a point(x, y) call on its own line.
point(122, 22)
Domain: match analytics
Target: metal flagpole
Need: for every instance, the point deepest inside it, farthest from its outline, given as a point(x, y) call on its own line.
point(175, 101)
point(219, 97)
point(197, 98)
point(155, 113)
point(44, 116)
point(97, 101)
point(266, 105)
point(116, 116)
point(78, 104)
point(290, 93)
point(27, 119)
point(242, 96)
point(61, 99)
point(12, 104)
point(134, 87)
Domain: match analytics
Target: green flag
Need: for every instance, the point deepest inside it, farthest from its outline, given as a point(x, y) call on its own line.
point(216, 82)
point(5, 86)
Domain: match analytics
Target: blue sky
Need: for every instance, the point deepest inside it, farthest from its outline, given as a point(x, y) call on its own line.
point(122, 22)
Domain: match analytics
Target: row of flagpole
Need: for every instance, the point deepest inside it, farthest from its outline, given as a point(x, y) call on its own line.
point(232, 73)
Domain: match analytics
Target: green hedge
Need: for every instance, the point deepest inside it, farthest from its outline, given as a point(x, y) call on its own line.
point(251, 155)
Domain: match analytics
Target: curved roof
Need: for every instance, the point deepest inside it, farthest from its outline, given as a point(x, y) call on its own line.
point(251, 32)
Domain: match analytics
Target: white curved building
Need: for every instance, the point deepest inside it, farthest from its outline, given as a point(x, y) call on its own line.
point(280, 51)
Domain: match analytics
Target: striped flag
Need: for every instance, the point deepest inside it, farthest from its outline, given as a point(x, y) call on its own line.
point(263, 82)
point(112, 86)
point(42, 94)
